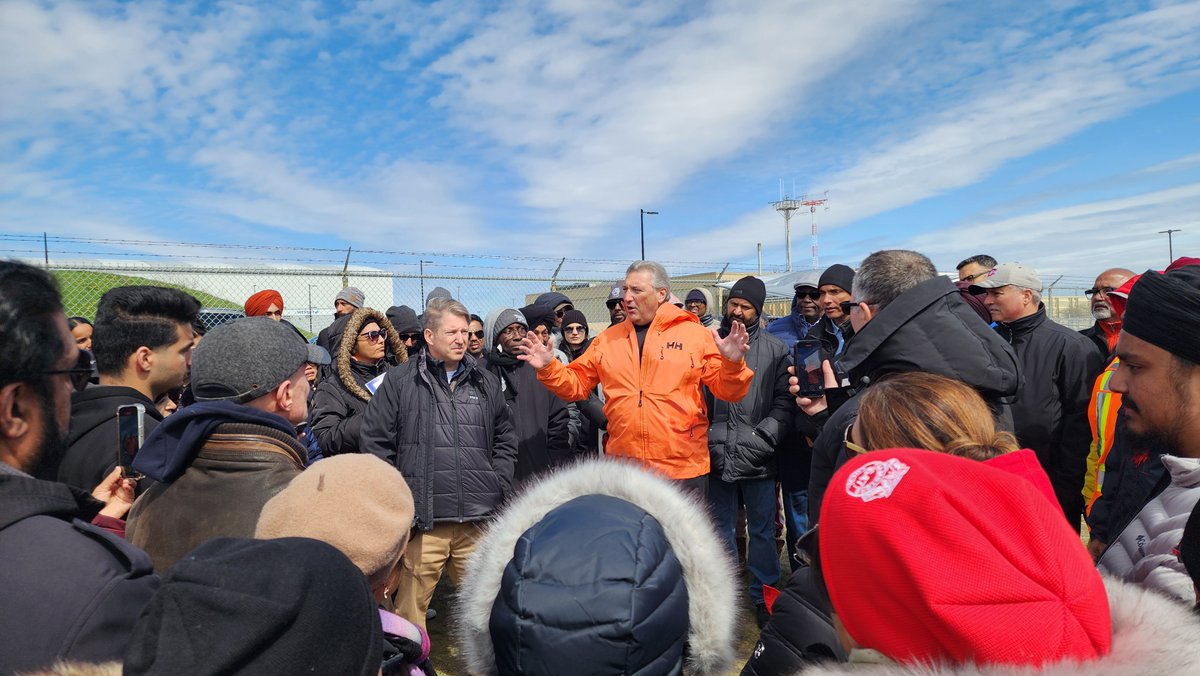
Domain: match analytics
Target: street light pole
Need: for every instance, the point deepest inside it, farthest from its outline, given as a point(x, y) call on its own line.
point(643, 229)
point(422, 301)
point(1170, 246)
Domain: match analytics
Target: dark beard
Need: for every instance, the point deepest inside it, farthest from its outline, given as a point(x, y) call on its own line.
point(53, 447)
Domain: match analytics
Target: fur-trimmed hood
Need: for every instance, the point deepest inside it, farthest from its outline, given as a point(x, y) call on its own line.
point(1151, 635)
point(707, 572)
point(358, 319)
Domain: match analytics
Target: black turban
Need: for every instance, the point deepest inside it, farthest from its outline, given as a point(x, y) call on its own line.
point(1164, 310)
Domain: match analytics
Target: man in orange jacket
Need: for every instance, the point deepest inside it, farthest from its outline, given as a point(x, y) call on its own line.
point(650, 367)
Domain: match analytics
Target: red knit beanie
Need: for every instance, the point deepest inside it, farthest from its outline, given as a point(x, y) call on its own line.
point(930, 557)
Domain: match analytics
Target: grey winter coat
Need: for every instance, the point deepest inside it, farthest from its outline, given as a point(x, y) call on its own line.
point(743, 436)
point(453, 442)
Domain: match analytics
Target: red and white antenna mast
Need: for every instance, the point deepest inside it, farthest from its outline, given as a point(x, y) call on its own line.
point(812, 205)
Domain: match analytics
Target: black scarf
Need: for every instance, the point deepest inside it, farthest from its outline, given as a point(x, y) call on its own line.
point(503, 364)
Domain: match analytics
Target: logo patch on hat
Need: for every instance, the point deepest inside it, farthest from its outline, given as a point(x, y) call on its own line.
point(876, 479)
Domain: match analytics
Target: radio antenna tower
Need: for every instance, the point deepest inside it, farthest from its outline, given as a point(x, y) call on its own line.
point(786, 206)
point(812, 205)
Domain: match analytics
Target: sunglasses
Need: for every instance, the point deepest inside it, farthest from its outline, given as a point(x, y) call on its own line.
point(1104, 290)
point(477, 334)
point(574, 328)
point(409, 336)
point(811, 295)
point(565, 310)
point(852, 449)
point(371, 336)
point(80, 374)
point(514, 330)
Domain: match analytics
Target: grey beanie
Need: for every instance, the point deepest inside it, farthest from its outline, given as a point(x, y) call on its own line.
point(498, 320)
point(437, 292)
point(352, 295)
point(242, 360)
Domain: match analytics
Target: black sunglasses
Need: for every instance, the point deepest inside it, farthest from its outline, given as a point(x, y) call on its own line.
point(811, 295)
point(846, 305)
point(80, 374)
point(560, 313)
point(477, 334)
point(409, 336)
point(1104, 290)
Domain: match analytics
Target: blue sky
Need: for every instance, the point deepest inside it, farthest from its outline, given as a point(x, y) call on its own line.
point(1060, 134)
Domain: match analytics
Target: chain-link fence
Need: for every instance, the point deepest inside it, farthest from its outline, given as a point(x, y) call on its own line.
point(308, 292)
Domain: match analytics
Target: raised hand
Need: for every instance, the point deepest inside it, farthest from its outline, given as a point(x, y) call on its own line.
point(735, 345)
point(534, 352)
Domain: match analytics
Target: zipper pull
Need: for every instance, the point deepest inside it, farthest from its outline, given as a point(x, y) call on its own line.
point(639, 398)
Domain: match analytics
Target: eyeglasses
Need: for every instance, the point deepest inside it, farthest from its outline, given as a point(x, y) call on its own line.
point(852, 449)
point(514, 330)
point(80, 374)
point(406, 337)
point(574, 328)
point(477, 334)
point(811, 295)
point(971, 278)
point(1104, 290)
point(565, 310)
point(371, 336)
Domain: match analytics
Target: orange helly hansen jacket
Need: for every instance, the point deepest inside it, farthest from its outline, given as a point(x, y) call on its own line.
point(655, 410)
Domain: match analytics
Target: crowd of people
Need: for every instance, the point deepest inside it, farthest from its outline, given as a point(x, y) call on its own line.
point(976, 487)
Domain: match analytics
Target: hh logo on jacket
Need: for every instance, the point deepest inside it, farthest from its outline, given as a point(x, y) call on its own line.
point(674, 345)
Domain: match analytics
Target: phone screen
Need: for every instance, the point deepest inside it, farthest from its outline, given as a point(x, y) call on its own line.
point(806, 357)
point(130, 430)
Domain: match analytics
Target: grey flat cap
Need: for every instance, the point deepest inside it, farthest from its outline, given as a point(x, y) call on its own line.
point(242, 360)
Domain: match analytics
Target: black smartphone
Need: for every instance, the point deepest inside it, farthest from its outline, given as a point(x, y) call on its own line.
point(806, 358)
point(131, 429)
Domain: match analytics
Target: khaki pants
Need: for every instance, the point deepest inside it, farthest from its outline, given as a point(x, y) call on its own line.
point(425, 558)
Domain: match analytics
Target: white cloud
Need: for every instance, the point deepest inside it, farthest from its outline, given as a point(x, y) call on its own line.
point(1077, 239)
point(608, 108)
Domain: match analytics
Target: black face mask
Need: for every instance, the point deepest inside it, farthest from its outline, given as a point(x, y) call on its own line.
point(54, 443)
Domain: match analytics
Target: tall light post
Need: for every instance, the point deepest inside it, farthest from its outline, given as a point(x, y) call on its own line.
point(643, 229)
point(1170, 246)
point(310, 328)
point(422, 301)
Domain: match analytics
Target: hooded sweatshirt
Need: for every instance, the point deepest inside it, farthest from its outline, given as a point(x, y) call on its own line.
point(93, 433)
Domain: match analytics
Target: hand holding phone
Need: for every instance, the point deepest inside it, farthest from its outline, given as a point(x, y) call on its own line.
point(130, 434)
point(806, 357)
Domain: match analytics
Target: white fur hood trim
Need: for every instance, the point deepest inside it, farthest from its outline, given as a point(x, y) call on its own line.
point(707, 571)
point(1151, 635)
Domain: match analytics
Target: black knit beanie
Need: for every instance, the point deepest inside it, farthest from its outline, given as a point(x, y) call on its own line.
point(241, 606)
point(841, 276)
point(752, 290)
point(1164, 310)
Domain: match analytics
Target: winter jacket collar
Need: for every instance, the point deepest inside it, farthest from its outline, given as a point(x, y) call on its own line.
point(931, 328)
point(22, 496)
point(170, 448)
point(1023, 326)
point(96, 406)
point(346, 366)
point(1184, 471)
point(1151, 634)
point(710, 579)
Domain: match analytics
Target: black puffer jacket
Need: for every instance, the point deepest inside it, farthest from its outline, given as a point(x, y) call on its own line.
point(341, 398)
point(72, 590)
point(799, 632)
point(540, 421)
point(1050, 415)
point(928, 328)
point(93, 435)
point(455, 446)
point(743, 436)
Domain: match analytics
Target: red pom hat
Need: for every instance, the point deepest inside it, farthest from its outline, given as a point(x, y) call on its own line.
point(932, 558)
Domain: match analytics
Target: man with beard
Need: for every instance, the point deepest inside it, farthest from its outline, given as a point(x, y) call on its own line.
point(615, 304)
point(475, 336)
point(1108, 321)
point(1159, 382)
point(742, 438)
point(72, 590)
point(540, 419)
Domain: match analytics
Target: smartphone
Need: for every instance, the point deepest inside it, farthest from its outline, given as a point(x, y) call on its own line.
point(806, 358)
point(131, 429)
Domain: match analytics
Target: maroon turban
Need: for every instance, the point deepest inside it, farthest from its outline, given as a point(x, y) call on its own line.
point(256, 305)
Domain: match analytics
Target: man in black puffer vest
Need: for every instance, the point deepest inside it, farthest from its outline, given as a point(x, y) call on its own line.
point(441, 419)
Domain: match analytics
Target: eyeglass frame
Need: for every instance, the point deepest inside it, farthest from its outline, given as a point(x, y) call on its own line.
point(811, 295)
point(477, 334)
point(580, 328)
point(514, 330)
point(373, 336)
point(1103, 289)
point(565, 310)
point(405, 337)
point(79, 375)
point(850, 446)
